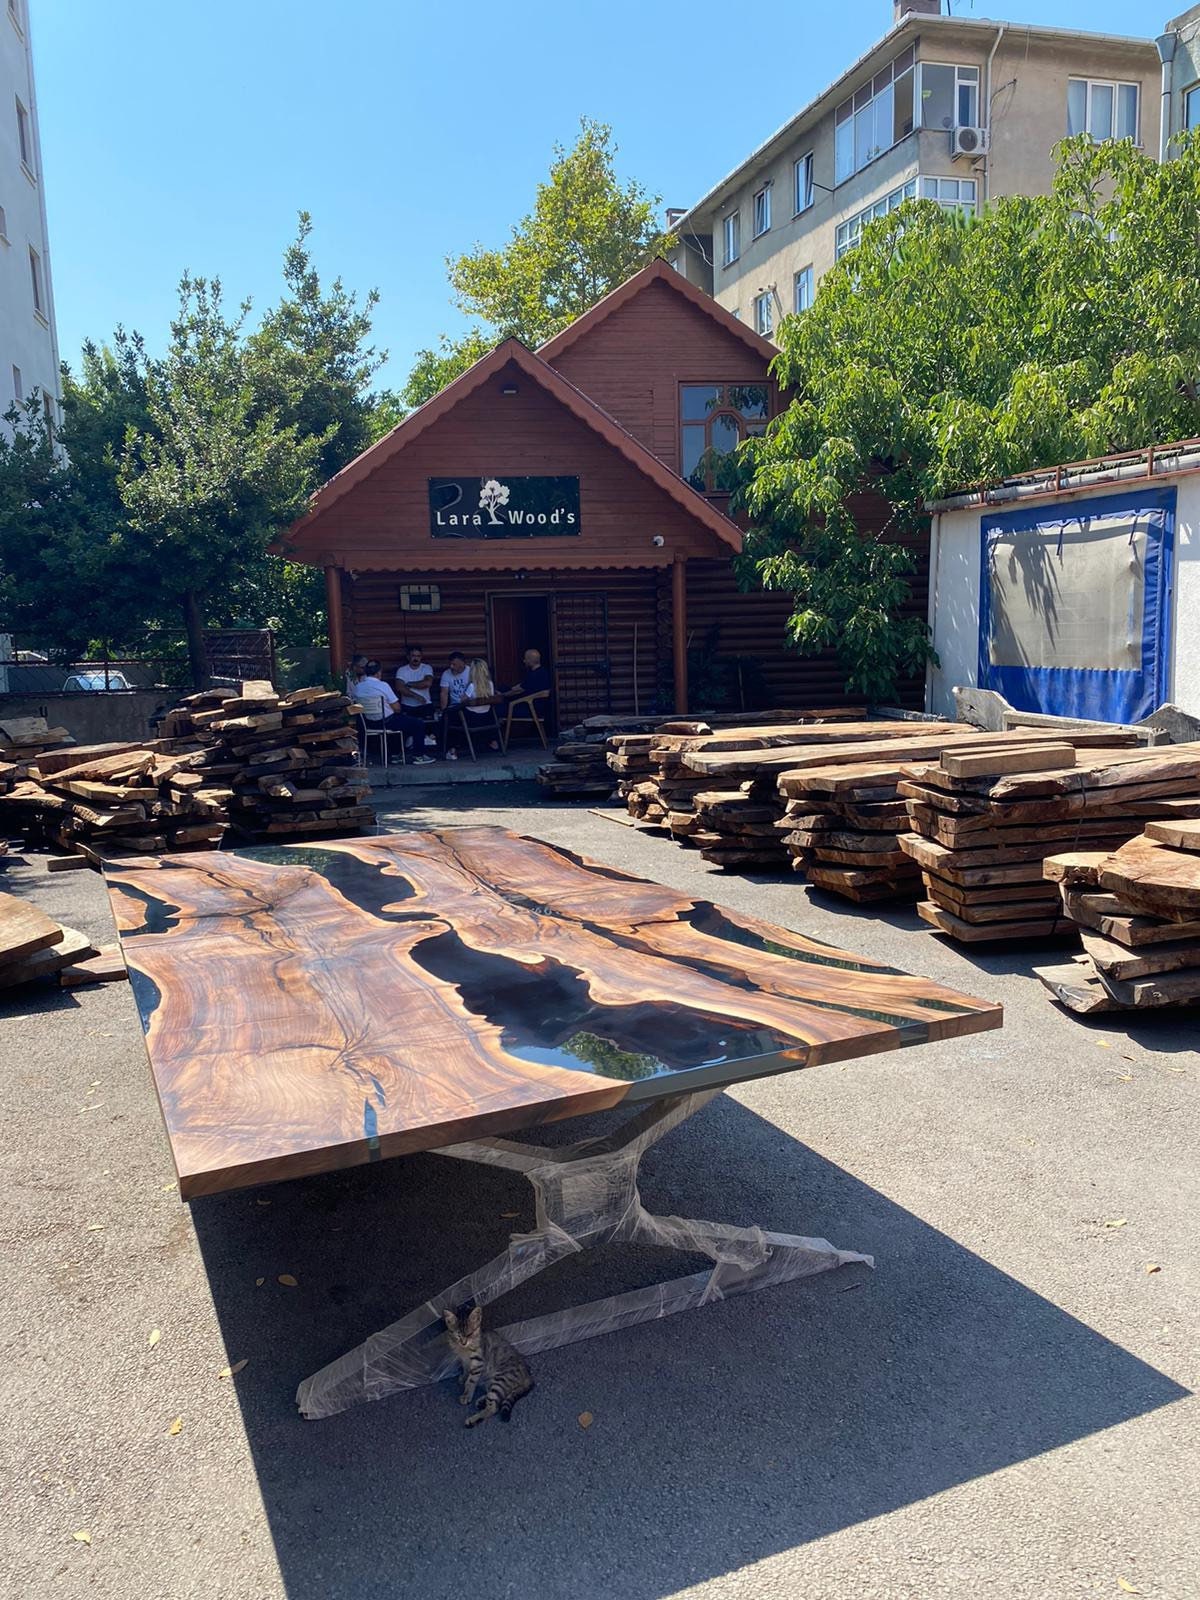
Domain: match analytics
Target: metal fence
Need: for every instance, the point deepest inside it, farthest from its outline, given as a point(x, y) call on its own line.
point(29, 667)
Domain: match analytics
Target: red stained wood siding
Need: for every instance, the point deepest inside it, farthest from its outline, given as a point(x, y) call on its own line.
point(384, 521)
point(633, 362)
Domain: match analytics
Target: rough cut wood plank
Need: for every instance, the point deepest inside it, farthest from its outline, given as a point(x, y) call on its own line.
point(1179, 835)
point(1077, 987)
point(107, 967)
point(324, 1007)
point(1114, 960)
point(971, 933)
point(1166, 880)
point(72, 947)
point(24, 929)
point(1109, 915)
point(67, 863)
point(1023, 758)
point(1074, 866)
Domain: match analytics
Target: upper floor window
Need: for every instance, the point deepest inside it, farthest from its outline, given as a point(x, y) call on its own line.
point(733, 237)
point(18, 386)
point(762, 210)
point(1104, 110)
point(952, 194)
point(24, 138)
point(875, 118)
point(48, 414)
point(764, 313)
point(39, 291)
point(848, 233)
point(3, 225)
point(14, 11)
point(714, 418)
point(948, 95)
point(1191, 107)
point(802, 298)
point(804, 183)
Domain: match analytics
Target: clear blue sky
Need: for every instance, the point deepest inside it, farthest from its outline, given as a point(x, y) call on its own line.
point(188, 133)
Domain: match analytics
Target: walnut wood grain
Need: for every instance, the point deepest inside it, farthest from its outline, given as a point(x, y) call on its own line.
point(309, 1008)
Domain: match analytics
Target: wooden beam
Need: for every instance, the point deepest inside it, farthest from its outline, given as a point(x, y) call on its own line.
point(679, 630)
point(337, 628)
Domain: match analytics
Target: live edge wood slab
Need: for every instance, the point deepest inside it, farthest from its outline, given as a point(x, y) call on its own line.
point(312, 1007)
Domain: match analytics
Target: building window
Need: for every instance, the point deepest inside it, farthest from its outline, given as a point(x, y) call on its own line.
point(952, 194)
point(24, 139)
point(948, 95)
point(848, 233)
point(733, 237)
point(714, 418)
point(18, 386)
point(3, 225)
point(804, 183)
point(14, 11)
point(762, 210)
point(48, 414)
point(1103, 110)
point(802, 297)
point(874, 119)
point(764, 313)
point(1191, 106)
point(35, 274)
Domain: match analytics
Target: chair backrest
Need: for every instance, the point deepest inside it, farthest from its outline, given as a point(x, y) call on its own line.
point(373, 707)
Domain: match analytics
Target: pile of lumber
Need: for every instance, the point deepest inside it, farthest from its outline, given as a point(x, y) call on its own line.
point(281, 764)
point(33, 946)
point(1137, 911)
point(752, 813)
point(610, 753)
point(114, 799)
point(265, 765)
point(22, 741)
point(843, 822)
point(661, 773)
point(983, 822)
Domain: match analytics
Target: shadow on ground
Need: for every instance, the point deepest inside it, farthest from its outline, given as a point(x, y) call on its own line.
point(720, 1437)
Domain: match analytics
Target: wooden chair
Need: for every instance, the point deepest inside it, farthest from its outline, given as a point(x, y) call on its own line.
point(467, 720)
point(529, 713)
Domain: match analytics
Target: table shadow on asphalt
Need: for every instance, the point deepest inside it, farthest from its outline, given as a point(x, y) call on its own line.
point(721, 1436)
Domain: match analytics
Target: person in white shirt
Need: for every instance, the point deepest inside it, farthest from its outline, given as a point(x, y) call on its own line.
point(460, 685)
point(414, 679)
point(379, 702)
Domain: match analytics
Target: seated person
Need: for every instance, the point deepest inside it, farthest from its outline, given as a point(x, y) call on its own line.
point(375, 696)
point(534, 680)
point(354, 671)
point(414, 680)
point(468, 685)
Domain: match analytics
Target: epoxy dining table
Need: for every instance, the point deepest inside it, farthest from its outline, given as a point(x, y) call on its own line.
point(312, 1007)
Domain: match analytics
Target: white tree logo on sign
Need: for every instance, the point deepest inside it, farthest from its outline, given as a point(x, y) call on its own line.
point(493, 494)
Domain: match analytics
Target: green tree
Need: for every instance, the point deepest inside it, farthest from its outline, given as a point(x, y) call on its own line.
point(210, 481)
point(586, 234)
point(945, 351)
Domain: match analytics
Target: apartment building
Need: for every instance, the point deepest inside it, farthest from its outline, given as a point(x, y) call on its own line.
point(945, 108)
point(28, 342)
point(1179, 50)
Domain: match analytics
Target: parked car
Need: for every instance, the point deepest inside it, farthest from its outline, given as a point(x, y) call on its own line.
point(97, 680)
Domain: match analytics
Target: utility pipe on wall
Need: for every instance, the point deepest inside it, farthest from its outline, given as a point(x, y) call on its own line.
point(1165, 44)
point(987, 90)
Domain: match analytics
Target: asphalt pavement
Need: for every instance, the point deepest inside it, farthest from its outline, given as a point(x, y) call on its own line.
point(1003, 1407)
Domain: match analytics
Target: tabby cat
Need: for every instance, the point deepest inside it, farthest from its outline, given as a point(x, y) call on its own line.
point(487, 1358)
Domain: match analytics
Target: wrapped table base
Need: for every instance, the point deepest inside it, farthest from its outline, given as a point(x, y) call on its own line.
point(587, 1196)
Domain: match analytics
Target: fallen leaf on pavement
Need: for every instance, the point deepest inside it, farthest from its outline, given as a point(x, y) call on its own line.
point(1117, 1222)
point(82, 1536)
point(176, 1427)
point(95, 1227)
point(507, 1214)
point(586, 1419)
point(170, 1185)
point(231, 1372)
point(258, 1282)
point(1153, 1266)
point(155, 1336)
point(287, 1280)
point(1126, 1587)
point(262, 1202)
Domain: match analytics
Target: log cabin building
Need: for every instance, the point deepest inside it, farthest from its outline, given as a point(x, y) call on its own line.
point(560, 500)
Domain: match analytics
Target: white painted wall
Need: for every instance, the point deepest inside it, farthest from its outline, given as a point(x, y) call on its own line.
point(27, 340)
point(954, 594)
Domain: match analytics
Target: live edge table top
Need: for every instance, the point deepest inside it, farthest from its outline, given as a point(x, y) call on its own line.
point(311, 1007)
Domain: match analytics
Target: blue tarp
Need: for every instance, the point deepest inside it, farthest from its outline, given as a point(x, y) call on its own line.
point(1107, 695)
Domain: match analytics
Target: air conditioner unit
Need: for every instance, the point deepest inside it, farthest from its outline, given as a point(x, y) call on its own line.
point(968, 142)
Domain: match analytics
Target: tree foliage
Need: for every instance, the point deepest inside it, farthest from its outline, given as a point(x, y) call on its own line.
point(945, 351)
point(586, 234)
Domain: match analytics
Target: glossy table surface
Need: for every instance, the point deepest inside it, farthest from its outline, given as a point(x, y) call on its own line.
point(309, 1007)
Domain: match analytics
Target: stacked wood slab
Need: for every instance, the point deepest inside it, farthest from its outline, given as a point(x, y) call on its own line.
point(284, 764)
point(982, 824)
point(118, 799)
point(269, 766)
point(1137, 910)
point(33, 946)
point(22, 741)
point(581, 765)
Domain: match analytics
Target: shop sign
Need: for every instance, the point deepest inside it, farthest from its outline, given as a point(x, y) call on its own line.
point(503, 508)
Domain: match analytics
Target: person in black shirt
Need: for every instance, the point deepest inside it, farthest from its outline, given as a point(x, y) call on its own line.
point(534, 679)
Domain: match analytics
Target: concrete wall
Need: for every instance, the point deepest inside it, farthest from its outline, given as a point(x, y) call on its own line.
point(27, 340)
point(954, 594)
point(1185, 69)
point(1028, 92)
point(91, 718)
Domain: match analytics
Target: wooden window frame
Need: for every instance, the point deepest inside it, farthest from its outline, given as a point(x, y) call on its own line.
point(722, 410)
